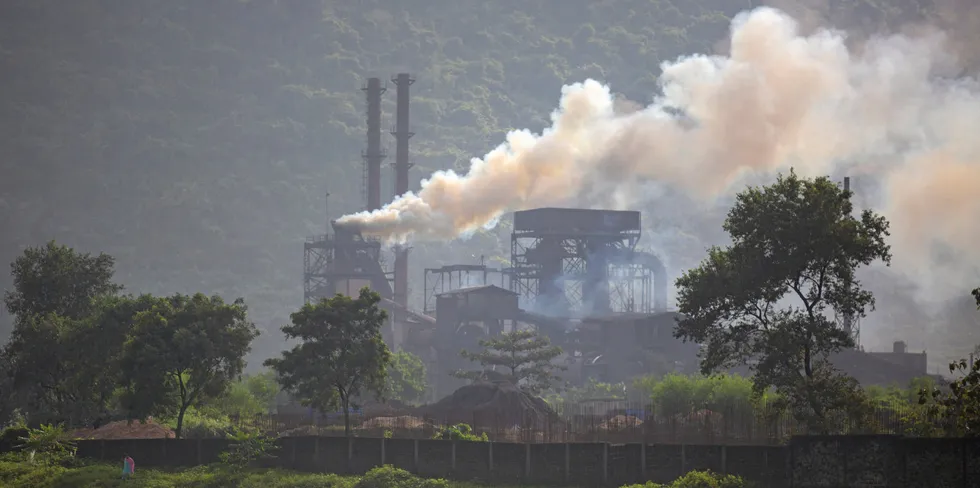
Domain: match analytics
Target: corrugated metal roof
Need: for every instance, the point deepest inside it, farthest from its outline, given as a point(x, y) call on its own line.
point(477, 289)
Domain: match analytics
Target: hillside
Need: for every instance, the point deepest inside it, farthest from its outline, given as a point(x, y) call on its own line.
point(194, 140)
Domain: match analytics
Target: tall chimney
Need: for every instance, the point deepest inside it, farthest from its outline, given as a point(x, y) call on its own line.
point(374, 154)
point(848, 318)
point(402, 134)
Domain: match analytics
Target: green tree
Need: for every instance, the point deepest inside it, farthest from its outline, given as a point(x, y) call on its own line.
point(341, 355)
point(64, 338)
point(793, 241)
point(56, 279)
point(406, 378)
point(960, 402)
point(525, 356)
point(183, 352)
point(252, 395)
point(67, 369)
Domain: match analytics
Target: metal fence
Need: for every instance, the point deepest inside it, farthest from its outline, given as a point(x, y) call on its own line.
point(633, 422)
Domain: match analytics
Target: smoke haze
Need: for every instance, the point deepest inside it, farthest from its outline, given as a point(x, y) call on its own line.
point(897, 113)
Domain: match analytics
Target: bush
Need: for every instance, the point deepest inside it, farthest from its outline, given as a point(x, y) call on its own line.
point(700, 479)
point(460, 432)
point(248, 449)
point(10, 438)
point(200, 425)
point(48, 443)
point(391, 477)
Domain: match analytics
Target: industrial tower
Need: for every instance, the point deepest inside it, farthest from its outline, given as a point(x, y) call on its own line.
point(374, 154)
point(402, 134)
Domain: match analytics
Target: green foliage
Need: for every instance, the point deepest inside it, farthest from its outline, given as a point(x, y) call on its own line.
point(793, 240)
point(248, 449)
point(341, 354)
point(250, 396)
point(201, 423)
point(47, 443)
point(391, 477)
point(959, 404)
point(406, 378)
point(460, 432)
point(66, 369)
point(66, 335)
point(183, 352)
point(56, 279)
point(592, 389)
point(700, 479)
point(525, 358)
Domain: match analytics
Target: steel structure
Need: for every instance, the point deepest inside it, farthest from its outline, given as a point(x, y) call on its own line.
point(402, 134)
point(575, 262)
point(342, 263)
point(374, 154)
point(437, 281)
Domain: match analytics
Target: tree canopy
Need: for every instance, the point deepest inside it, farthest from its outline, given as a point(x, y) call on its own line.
point(69, 326)
point(184, 351)
point(524, 357)
point(406, 378)
point(56, 279)
point(341, 355)
point(771, 297)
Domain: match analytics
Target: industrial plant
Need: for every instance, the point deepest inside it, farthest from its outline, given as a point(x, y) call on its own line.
point(575, 275)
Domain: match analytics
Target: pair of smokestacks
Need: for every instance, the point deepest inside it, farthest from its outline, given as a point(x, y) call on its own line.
point(374, 155)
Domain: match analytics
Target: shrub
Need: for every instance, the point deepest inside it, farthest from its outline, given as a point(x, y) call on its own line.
point(391, 477)
point(248, 449)
point(47, 443)
point(460, 432)
point(700, 479)
point(10, 438)
point(200, 425)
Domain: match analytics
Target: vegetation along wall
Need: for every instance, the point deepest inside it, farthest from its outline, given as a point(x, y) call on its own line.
point(842, 461)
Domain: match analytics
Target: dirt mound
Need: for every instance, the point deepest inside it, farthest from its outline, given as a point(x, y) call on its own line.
point(621, 422)
point(497, 404)
point(403, 422)
point(124, 429)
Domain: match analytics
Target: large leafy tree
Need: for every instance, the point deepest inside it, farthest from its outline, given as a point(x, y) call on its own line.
point(341, 355)
point(67, 369)
point(406, 378)
point(770, 298)
point(57, 279)
point(524, 357)
point(69, 326)
point(183, 352)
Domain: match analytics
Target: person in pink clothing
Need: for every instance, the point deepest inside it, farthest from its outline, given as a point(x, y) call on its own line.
point(129, 467)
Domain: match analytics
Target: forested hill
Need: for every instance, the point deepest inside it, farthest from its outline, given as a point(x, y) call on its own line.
point(193, 140)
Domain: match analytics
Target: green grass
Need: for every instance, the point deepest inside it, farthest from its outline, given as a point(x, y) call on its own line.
point(15, 473)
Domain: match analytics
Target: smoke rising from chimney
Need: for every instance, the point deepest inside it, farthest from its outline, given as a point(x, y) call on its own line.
point(780, 99)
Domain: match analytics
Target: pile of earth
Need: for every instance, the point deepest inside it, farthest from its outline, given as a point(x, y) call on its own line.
point(497, 404)
point(621, 422)
point(126, 429)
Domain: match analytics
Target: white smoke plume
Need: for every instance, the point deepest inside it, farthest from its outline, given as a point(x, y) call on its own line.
point(890, 112)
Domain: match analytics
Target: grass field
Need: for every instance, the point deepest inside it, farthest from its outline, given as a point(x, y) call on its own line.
point(22, 475)
point(16, 473)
